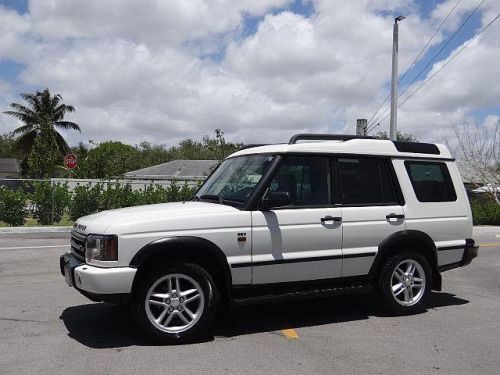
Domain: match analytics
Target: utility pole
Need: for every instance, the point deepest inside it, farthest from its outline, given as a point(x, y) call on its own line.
point(361, 126)
point(394, 77)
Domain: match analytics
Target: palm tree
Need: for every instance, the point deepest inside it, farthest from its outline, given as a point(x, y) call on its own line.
point(43, 114)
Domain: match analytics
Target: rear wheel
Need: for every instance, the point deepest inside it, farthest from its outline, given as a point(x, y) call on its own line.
point(175, 303)
point(405, 283)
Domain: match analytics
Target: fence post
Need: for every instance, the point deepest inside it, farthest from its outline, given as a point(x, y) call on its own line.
point(53, 199)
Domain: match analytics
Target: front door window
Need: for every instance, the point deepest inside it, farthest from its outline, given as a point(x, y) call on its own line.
point(305, 179)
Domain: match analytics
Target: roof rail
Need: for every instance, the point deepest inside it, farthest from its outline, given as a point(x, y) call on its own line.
point(326, 137)
point(251, 145)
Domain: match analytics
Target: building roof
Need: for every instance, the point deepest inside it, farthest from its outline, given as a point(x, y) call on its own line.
point(352, 146)
point(176, 169)
point(9, 165)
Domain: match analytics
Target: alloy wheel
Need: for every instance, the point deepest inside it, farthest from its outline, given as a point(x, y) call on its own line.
point(408, 282)
point(174, 303)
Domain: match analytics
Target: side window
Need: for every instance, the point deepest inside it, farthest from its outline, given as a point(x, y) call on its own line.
point(431, 181)
point(306, 179)
point(365, 181)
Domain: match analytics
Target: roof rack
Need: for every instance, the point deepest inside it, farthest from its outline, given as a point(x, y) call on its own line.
point(326, 137)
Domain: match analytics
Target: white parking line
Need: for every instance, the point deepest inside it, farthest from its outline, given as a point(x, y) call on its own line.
point(31, 247)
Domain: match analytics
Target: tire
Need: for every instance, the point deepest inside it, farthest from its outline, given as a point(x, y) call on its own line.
point(408, 298)
point(173, 318)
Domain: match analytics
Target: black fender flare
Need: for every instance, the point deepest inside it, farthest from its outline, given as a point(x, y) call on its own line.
point(407, 236)
point(190, 242)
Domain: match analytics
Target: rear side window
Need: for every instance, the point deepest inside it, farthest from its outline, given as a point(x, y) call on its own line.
point(431, 181)
point(365, 181)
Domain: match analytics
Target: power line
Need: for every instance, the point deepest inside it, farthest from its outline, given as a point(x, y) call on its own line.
point(442, 48)
point(430, 62)
point(447, 62)
point(416, 58)
point(450, 60)
point(430, 40)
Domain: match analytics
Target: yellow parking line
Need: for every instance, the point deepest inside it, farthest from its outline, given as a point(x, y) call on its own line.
point(490, 244)
point(290, 333)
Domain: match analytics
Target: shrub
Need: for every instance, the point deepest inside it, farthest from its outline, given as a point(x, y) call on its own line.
point(173, 192)
point(50, 200)
point(86, 200)
point(485, 211)
point(117, 196)
point(12, 209)
point(154, 194)
point(187, 193)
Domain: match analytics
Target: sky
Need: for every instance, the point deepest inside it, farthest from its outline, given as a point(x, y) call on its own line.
point(261, 70)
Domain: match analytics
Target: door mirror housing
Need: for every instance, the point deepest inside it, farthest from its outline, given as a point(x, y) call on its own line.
point(274, 199)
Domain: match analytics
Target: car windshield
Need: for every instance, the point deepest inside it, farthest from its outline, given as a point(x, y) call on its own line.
point(235, 179)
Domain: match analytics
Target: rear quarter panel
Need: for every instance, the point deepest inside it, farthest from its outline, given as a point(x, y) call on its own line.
point(447, 223)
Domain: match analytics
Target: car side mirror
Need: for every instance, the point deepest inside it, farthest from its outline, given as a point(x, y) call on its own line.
point(273, 199)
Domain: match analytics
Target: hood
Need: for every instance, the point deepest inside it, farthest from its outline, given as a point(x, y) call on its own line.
point(116, 221)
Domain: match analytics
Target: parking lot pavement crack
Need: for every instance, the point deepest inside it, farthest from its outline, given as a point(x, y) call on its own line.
point(24, 320)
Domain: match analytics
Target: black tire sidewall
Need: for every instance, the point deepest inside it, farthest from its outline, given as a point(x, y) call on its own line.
point(201, 327)
point(385, 286)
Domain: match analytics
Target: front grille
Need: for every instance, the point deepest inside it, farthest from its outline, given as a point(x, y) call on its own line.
point(78, 244)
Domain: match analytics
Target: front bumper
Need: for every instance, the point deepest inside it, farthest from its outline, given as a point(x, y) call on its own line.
point(96, 283)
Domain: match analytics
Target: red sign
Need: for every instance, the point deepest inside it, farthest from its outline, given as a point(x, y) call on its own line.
point(70, 161)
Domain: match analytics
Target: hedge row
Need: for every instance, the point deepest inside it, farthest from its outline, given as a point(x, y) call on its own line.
point(47, 202)
point(485, 211)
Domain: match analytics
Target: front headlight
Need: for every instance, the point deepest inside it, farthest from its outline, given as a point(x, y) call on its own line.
point(101, 248)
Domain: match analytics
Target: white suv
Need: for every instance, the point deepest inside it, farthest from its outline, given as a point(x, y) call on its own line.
point(335, 214)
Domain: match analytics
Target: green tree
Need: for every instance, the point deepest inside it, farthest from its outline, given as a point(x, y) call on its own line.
point(402, 137)
point(153, 154)
point(109, 160)
point(6, 146)
point(44, 158)
point(113, 159)
point(42, 116)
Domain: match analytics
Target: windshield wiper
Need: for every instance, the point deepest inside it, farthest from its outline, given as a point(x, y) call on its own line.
point(217, 198)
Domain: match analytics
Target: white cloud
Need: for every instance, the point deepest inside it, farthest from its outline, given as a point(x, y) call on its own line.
point(136, 70)
point(161, 22)
point(12, 29)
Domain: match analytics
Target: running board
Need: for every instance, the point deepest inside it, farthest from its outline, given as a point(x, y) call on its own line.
point(302, 294)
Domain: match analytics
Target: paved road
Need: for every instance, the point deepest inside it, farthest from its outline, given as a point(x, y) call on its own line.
point(47, 327)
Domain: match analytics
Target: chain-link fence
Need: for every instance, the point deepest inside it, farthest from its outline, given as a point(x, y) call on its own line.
point(62, 201)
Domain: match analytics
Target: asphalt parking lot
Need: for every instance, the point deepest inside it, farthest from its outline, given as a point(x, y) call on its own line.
point(47, 327)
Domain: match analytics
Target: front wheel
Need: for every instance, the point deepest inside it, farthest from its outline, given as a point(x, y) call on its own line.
point(405, 283)
point(175, 303)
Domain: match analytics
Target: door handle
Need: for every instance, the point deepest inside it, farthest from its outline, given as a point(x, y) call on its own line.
point(395, 216)
point(330, 218)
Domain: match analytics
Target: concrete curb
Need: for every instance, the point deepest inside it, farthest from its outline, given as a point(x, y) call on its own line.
point(17, 230)
point(487, 229)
